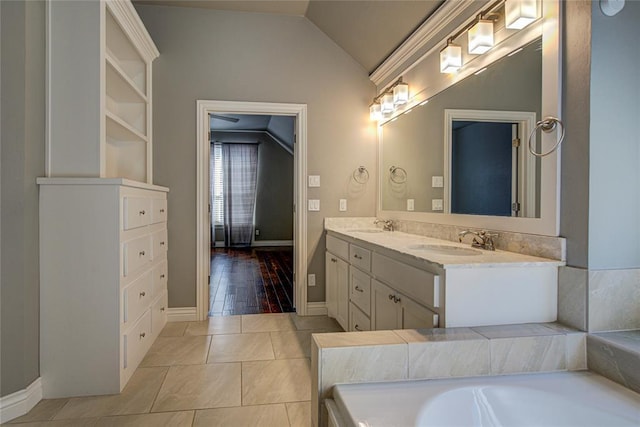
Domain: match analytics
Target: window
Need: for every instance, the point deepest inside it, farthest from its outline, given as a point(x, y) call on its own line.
point(217, 198)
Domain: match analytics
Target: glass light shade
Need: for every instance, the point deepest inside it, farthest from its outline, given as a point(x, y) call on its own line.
point(450, 59)
point(480, 37)
point(401, 94)
point(375, 113)
point(520, 13)
point(386, 103)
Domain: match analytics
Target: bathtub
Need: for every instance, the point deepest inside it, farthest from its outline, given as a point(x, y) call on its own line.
point(558, 399)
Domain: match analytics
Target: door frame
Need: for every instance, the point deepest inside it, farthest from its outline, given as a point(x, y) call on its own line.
point(203, 249)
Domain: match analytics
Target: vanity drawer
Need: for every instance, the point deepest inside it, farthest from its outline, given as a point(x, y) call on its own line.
point(358, 321)
point(159, 313)
point(160, 243)
point(136, 212)
point(136, 254)
point(159, 278)
point(360, 257)
point(158, 210)
point(136, 341)
point(338, 247)
point(421, 285)
point(360, 289)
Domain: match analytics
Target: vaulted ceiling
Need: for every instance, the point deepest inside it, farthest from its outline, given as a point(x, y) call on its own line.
point(368, 30)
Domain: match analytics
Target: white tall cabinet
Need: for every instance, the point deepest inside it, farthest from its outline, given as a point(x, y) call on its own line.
point(103, 224)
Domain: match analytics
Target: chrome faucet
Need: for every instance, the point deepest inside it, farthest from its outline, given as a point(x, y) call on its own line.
point(387, 224)
point(481, 239)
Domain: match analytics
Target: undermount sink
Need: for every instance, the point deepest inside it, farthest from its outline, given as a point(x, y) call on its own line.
point(445, 249)
point(365, 230)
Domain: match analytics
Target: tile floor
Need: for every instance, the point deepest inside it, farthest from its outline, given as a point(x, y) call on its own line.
point(235, 371)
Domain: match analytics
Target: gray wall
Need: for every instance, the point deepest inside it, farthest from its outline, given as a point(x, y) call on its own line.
point(22, 160)
point(220, 55)
point(601, 153)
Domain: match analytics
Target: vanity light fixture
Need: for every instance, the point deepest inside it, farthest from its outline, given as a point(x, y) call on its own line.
point(386, 103)
point(375, 112)
point(520, 13)
point(450, 58)
point(480, 37)
point(400, 93)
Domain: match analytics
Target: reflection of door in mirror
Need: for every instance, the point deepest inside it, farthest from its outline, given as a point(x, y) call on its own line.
point(489, 173)
point(485, 178)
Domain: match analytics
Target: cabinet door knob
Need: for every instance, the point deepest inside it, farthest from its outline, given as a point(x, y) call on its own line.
point(391, 296)
point(334, 260)
point(357, 328)
point(359, 289)
point(143, 293)
point(162, 276)
point(142, 212)
point(141, 253)
point(142, 335)
point(161, 243)
point(161, 308)
point(356, 256)
point(161, 210)
point(396, 299)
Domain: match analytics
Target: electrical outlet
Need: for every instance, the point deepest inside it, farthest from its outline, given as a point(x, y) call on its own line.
point(436, 205)
point(257, 232)
point(410, 204)
point(343, 205)
point(311, 280)
point(314, 205)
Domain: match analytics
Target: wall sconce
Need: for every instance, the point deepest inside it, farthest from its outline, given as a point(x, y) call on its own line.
point(400, 93)
point(375, 113)
point(450, 58)
point(520, 13)
point(480, 37)
point(386, 103)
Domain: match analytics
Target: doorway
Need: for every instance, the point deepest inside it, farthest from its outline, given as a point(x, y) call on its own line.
point(251, 200)
point(203, 236)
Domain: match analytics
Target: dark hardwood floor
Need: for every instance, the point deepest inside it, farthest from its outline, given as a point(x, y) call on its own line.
point(251, 281)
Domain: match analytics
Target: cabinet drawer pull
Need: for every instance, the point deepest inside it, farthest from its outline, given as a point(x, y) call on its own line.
point(142, 335)
point(161, 210)
point(356, 256)
point(143, 293)
point(334, 260)
point(396, 299)
point(391, 296)
point(357, 328)
point(161, 308)
point(141, 253)
point(162, 276)
point(359, 289)
point(142, 212)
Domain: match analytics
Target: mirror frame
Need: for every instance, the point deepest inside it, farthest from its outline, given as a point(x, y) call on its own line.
point(549, 221)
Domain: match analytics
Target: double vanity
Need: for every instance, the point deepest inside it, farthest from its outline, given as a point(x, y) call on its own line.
point(385, 280)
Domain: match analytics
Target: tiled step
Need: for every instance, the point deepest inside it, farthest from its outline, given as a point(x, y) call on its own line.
point(616, 355)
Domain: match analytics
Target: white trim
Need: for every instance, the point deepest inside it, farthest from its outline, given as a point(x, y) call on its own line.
point(182, 314)
point(440, 19)
point(317, 308)
point(261, 243)
point(130, 22)
point(204, 108)
point(21, 402)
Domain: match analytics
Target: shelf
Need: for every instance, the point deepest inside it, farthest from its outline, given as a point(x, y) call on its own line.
point(122, 131)
point(119, 84)
point(123, 53)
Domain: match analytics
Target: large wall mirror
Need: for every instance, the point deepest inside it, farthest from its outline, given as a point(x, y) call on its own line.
point(462, 157)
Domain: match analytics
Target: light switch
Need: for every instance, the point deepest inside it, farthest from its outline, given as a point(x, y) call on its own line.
point(410, 204)
point(436, 205)
point(343, 205)
point(314, 205)
point(311, 280)
point(314, 180)
point(437, 181)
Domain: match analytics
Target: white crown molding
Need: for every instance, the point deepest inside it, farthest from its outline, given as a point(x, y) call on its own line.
point(440, 19)
point(126, 15)
point(182, 314)
point(21, 402)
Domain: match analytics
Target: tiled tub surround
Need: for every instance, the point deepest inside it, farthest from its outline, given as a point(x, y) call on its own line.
point(439, 353)
point(526, 244)
point(518, 288)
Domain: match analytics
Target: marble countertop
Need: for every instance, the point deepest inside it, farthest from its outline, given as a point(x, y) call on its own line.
point(409, 245)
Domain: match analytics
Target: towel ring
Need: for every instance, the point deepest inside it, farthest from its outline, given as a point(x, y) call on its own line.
point(397, 174)
point(361, 175)
point(548, 124)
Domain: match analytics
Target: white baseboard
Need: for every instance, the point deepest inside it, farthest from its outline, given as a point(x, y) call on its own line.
point(182, 314)
point(21, 402)
point(316, 308)
point(259, 243)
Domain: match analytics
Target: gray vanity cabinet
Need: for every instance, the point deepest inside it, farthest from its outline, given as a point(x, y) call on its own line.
point(337, 281)
point(392, 310)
